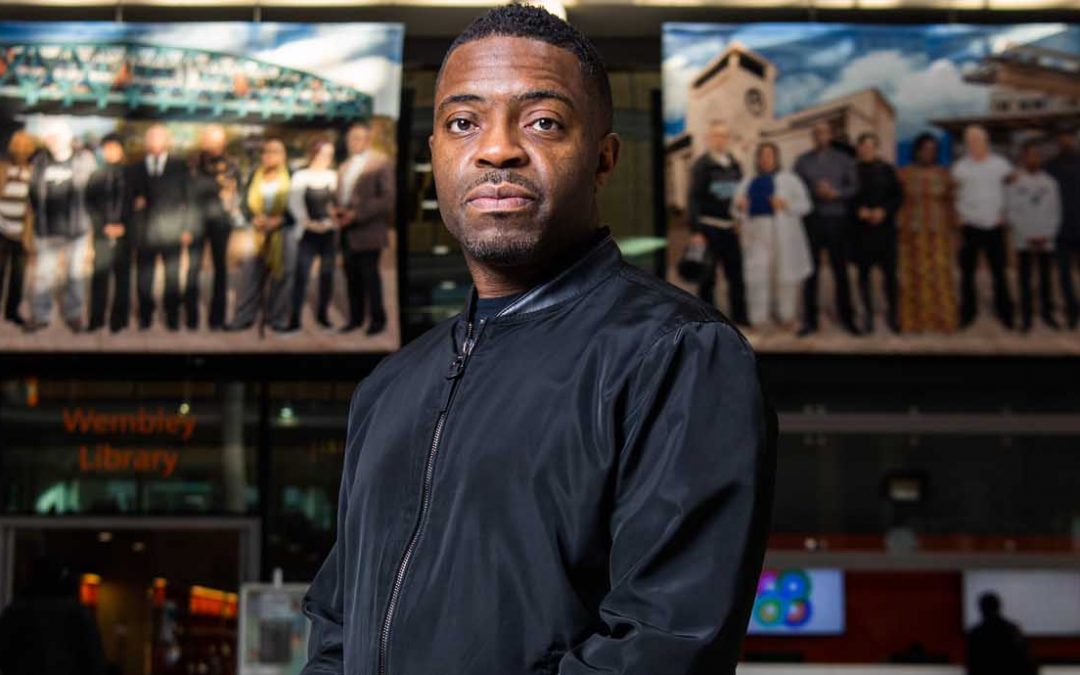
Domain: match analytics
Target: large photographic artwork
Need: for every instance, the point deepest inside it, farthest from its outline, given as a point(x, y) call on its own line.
point(198, 187)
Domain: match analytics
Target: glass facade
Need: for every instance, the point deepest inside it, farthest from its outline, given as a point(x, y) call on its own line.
point(124, 447)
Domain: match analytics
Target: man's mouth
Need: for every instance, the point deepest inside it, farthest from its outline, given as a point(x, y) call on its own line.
point(501, 197)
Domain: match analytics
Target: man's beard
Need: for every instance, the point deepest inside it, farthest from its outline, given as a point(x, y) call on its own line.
point(499, 247)
point(517, 244)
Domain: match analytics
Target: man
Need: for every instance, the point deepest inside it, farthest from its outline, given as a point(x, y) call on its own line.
point(1065, 168)
point(714, 177)
point(1033, 208)
point(980, 178)
point(876, 205)
point(574, 475)
point(831, 177)
point(108, 203)
point(216, 187)
point(161, 199)
point(15, 229)
point(61, 226)
point(996, 646)
point(366, 194)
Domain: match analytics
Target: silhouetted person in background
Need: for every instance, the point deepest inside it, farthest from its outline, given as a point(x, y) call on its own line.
point(996, 646)
point(45, 631)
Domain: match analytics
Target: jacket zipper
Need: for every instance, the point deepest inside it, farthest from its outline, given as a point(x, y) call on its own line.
point(457, 367)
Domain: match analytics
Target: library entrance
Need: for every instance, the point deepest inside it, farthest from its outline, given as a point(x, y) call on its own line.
point(141, 596)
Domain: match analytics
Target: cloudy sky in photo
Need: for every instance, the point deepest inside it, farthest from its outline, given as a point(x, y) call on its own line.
point(918, 68)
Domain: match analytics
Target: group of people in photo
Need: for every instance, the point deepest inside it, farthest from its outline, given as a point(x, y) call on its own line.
point(771, 229)
point(75, 220)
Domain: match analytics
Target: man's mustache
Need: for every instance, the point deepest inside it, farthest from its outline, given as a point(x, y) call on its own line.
point(497, 176)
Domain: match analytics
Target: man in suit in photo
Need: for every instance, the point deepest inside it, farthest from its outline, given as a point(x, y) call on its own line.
point(162, 214)
point(366, 194)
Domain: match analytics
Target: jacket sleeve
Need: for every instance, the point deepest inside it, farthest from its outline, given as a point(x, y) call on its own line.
point(849, 183)
point(324, 603)
point(1055, 207)
point(693, 199)
point(381, 204)
point(692, 499)
point(96, 199)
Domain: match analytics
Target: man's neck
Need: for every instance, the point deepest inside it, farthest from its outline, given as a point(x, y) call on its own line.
point(493, 281)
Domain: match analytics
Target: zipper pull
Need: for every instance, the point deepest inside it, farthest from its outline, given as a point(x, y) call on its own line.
point(457, 366)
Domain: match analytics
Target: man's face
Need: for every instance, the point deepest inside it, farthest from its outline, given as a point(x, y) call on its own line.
point(976, 143)
point(822, 135)
point(112, 152)
point(213, 141)
point(1032, 159)
point(718, 138)
point(358, 140)
point(867, 150)
point(58, 143)
point(156, 140)
point(517, 149)
point(1067, 141)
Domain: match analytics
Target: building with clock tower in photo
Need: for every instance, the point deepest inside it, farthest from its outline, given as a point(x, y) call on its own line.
point(738, 87)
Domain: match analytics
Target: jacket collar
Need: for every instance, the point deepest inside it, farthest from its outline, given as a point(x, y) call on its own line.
point(582, 275)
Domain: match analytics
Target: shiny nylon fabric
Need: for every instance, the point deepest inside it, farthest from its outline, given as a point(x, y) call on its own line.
point(599, 500)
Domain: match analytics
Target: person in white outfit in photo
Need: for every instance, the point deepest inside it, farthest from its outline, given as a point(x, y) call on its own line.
point(1033, 210)
point(771, 204)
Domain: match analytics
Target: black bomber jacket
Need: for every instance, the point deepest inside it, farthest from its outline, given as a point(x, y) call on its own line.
point(580, 484)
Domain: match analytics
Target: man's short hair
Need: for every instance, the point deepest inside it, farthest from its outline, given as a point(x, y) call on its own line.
point(535, 23)
point(360, 123)
point(868, 136)
point(112, 137)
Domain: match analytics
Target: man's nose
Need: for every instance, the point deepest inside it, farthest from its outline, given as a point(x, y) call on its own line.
point(500, 147)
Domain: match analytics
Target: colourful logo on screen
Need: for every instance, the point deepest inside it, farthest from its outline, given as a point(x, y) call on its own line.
point(783, 599)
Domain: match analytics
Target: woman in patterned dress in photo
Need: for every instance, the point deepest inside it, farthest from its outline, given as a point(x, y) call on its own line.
point(926, 227)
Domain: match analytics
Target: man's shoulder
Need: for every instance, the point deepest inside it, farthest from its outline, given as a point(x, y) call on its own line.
point(659, 308)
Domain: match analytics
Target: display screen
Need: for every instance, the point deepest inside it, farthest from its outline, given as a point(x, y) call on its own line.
point(199, 187)
point(799, 602)
point(1040, 602)
point(886, 189)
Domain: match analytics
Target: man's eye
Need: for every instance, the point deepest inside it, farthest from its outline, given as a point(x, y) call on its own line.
point(460, 124)
point(545, 124)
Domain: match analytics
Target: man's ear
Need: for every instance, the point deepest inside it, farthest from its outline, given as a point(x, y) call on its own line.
point(608, 158)
point(430, 141)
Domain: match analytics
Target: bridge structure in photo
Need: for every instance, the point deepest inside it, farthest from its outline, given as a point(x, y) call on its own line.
point(137, 79)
